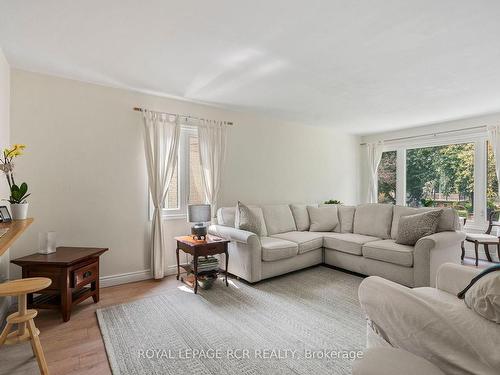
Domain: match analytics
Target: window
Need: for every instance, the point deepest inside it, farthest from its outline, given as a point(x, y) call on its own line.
point(196, 192)
point(456, 170)
point(172, 201)
point(387, 178)
point(186, 186)
point(441, 176)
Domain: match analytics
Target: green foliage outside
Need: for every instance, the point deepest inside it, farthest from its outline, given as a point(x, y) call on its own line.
point(332, 201)
point(438, 176)
point(387, 178)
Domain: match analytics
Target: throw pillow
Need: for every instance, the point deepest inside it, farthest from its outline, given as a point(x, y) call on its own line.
point(301, 216)
point(323, 219)
point(413, 227)
point(245, 219)
point(483, 297)
point(488, 270)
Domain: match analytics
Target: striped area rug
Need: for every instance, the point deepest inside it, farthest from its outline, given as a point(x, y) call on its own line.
point(307, 322)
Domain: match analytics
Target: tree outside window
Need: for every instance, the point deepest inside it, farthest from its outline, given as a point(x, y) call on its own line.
point(387, 178)
point(441, 176)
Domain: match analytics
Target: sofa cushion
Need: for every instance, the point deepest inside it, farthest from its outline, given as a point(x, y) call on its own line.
point(323, 219)
point(277, 248)
point(448, 221)
point(278, 218)
point(389, 251)
point(373, 219)
point(307, 241)
point(226, 216)
point(301, 216)
point(346, 242)
point(346, 218)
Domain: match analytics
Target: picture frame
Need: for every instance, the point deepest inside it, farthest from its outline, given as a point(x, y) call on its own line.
point(5, 214)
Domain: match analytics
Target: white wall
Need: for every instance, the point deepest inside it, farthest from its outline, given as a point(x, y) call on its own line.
point(4, 142)
point(85, 166)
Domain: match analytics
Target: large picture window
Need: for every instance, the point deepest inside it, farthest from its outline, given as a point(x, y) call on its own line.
point(441, 176)
point(453, 170)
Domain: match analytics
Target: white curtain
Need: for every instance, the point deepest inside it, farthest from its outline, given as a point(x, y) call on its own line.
point(374, 155)
point(161, 143)
point(494, 138)
point(212, 138)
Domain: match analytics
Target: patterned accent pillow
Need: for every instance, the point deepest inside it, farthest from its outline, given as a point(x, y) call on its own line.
point(413, 227)
point(245, 219)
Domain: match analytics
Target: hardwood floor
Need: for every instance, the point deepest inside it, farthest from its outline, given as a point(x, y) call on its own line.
point(76, 347)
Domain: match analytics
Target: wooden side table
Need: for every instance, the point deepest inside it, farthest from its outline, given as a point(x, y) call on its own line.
point(74, 272)
point(210, 246)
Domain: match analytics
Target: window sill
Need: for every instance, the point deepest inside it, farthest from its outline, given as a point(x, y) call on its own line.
point(174, 217)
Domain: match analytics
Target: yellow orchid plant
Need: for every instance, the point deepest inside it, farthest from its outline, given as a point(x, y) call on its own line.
point(18, 194)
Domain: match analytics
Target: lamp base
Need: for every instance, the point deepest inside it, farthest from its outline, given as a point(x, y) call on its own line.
point(199, 232)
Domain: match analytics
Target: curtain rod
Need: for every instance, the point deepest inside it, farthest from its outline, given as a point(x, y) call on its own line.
point(430, 134)
point(139, 109)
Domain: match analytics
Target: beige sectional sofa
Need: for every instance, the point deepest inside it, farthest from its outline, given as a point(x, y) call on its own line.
point(363, 242)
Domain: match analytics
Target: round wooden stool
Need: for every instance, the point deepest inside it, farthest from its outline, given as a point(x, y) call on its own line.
point(24, 317)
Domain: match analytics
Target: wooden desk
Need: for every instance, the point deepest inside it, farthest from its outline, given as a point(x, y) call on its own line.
point(16, 228)
point(211, 246)
point(74, 272)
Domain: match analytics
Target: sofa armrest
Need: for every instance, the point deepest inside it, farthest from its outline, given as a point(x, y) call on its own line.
point(245, 252)
point(453, 278)
point(433, 251)
point(233, 234)
point(440, 240)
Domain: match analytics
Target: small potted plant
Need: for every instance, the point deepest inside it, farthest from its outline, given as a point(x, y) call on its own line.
point(18, 193)
point(332, 201)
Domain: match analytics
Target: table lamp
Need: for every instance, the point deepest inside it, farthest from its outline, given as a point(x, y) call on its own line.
point(199, 214)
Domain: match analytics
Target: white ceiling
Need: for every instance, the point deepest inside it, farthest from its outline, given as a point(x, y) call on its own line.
point(364, 66)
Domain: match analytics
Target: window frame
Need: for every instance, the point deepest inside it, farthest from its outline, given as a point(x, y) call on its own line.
point(480, 167)
point(180, 212)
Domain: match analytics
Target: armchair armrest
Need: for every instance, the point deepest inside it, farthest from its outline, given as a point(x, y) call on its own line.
point(234, 234)
point(453, 278)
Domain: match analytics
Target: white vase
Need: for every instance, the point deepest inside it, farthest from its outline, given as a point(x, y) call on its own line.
point(19, 210)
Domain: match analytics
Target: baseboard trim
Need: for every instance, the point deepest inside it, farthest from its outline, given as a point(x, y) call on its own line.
point(131, 277)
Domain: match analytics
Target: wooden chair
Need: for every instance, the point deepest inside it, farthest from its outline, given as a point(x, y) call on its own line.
point(484, 239)
point(23, 318)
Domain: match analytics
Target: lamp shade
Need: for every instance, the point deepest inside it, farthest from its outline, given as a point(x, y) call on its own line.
point(199, 213)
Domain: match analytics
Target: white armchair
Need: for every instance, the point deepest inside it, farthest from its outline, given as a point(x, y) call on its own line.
point(432, 323)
